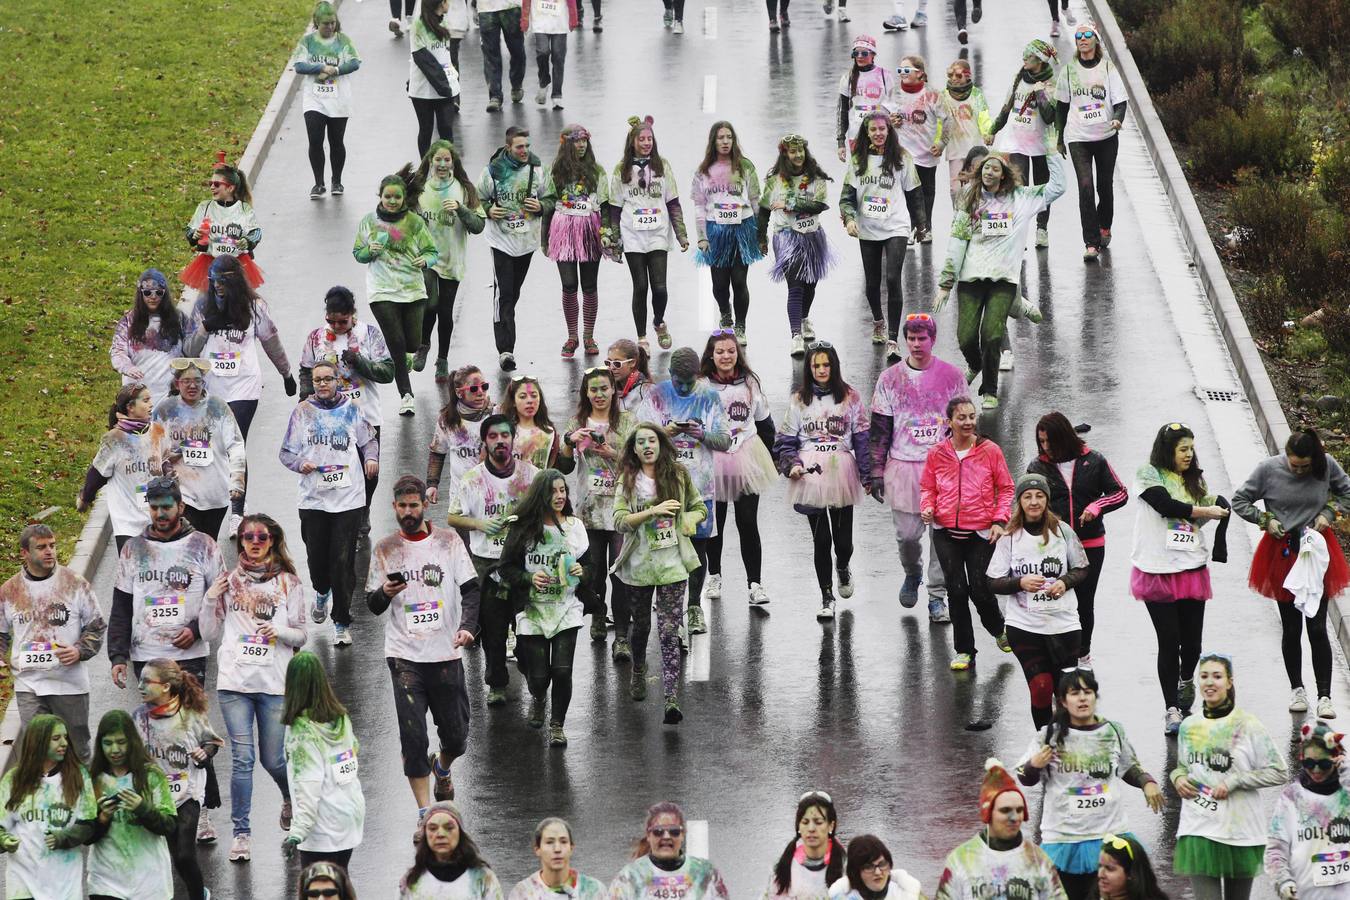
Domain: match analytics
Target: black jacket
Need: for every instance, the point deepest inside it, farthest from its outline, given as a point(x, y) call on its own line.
point(1094, 485)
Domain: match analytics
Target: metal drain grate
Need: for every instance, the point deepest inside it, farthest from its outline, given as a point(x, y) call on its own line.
point(1219, 395)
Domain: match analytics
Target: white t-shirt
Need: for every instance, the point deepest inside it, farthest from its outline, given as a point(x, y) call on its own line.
point(129, 860)
point(644, 219)
point(1050, 556)
point(167, 581)
point(882, 213)
point(744, 404)
point(1091, 93)
point(169, 740)
point(1308, 842)
point(363, 338)
point(212, 448)
point(1164, 545)
point(555, 608)
point(129, 461)
point(1084, 793)
point(40, 616)
point(422, 39)
point(482, 495)
point(1024, 132)
point(425, 616)
point(233, 354)
point(32, 870)
point(462, 448)
point(1214, 751)
point(869, 96)
point(330, 439)
point(916, 400)
point(549, 17)
point(330, 96)
point(248, 662)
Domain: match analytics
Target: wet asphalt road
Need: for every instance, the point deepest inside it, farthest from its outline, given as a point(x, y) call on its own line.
point(865, 708)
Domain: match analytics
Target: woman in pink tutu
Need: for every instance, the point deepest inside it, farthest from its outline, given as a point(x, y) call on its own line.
point(745, 470)
point(1170, 560)
point(822, 448)
point(224, 225)
point(576, 192)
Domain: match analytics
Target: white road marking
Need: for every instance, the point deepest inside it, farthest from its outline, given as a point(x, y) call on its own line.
point(708, 315)
point(710, 23)
point(710, 93)
point(700, 657)
point(696, 838)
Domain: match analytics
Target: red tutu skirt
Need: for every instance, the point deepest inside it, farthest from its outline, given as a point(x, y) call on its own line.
point(194, 274)
point(1169, 587)
point(1271, 565)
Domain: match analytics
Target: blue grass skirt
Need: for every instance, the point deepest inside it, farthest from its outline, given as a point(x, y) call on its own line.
point(1077, 858)
point(805, 257)
point(730, 245)
point(1202, 856)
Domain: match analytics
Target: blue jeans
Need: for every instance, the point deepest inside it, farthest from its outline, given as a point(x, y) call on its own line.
point(240, 711)
point(493, 28)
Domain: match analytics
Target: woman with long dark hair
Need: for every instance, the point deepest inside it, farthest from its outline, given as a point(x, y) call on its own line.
point(576, 233)
point(1123, 868)
point(1027, 117)
point(863, 90)
point(1170, 558)
point(544, 562)
point(457, 438)
point(1083, 489)
point(129, 857)
point(537, 439)
point(725, 192)
point(630, 364)
point(445, 854)
point(47, 812)
point(814, 859)
point(822, 448)
point(148, 336)
point(660, 855)
point(132, 452)
point(1302, 490)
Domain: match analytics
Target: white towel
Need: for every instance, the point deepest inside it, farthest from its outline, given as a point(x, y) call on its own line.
point(1305, 579)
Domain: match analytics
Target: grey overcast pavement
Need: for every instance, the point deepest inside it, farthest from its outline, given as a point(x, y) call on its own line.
point(775, 704)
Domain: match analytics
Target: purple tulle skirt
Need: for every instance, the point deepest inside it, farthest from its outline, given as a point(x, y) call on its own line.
point(574, 238)
point(836, 484)
point(749, 470)
point(805, 257)
point(1169, 587)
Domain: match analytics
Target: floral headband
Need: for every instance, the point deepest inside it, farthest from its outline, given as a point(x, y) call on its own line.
point(574, 134)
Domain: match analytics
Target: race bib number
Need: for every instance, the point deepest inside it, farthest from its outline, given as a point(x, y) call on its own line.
point(1092, 796)
point(876, 207)
point(515, 223)
point(1205, 801)
point(225, 365)
point(178, 785)
point(344, 767)
point(350, 390)
point(37, 656)
point(602, 482)
point(826, 447)
point(1092, 112)
point(1181, 535)
point(325, 87)
point(662, 533)
point(669, 887)
point(334, 477)
point(727, 213)
point(255, 650)
point(1022, 121)
point(550, 7)
point(166, 610)
point(423, 617)
point(648, 219)
point(1041, 601)
point(1331, 868)
point(197, 453)
point(806, 224)
point(684, 452)
point(574, 208)
point(996, 224)
point(925, 434)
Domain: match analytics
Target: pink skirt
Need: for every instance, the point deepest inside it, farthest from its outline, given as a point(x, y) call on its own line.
point(836, 485)
point(749, 470)
point(574, 238)
point(1169, 587)
point(902, 484)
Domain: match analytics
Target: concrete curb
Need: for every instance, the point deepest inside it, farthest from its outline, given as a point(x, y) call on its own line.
point(93, 541)
point(1251, 370)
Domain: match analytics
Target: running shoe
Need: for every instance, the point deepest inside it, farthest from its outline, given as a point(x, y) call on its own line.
point(557, 104)
point(879, 331)
point(621, 652)
point(342, 635)
point(677, 28)
point(669, 18)
point(1324, 708)
point(540, 99)
point(645, 345)
point(1042, 237)
point(826, 611)
point(569, 348)
point(1172, 720)
point(1298, 701)
point(407, 406)
point(317, 191)
point(442, 371)
point(589, 346)
point(537, 712)
point(511, 641)
point(962, 36)
point(556, 737)
point(1085, 661)
point(598, 25)
point(396, 29)
point(896, 22)
point(971, 375)
point(285, 819)
point(637, 685)
point(892, 349)
point(1003, 643)
point(337, 190)
point(843, 15)
point(506, 362)
point(962, 662)
point(235, 521)
point(924, 236)
point(696, 623)
point(1005, 361)
point(1106, 238)
point(798, 347)
point(773, 26)
point(517, 95)
point(808, 330)
point(1186, 694)
point(494, 104)
point(938, 614)
point(920, 19)
point(909, 591)
point(785, 20)
point(740, 335)
point(318, 610)
point(420, 358)
point(976, 13)
point(496, 697)
point(988, 402)
point(663, 339)
point(1091, 254)
point(673, 715)
point(845, 582)
point(712, 588)
point(598, 629)
point(442, 784)
point(206, 832)
point(1054, 28)
point(725, 321)
point(239, 847)
point(758, 596)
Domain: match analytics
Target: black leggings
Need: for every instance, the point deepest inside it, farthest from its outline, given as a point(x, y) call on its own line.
point(775, 6)
point(549, 660)
point(1180, 627)
point(316, 123)
point(676, 6)
point(747, 526)
point(437, 113)
point(965, 562)
point(1035, 170)
point(441, 294)
point(585, 275)
point(604, 550)
point(927, 188)
point(648, 268)
point(401, 325)
point(244, 411)
point(699, 575)
point(831, 526)
point(1086, 592)
point(959, 8)
point(309, 857)
point(894, 248)
point(207, 521)
point(183, 849)
point(1291, 644)
point(1043, 657)
point(508, 274)
point(1096, 201)
point(727, 281)
point(407, 5)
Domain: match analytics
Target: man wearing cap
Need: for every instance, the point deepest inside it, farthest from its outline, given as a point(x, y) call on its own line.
point(998, 861)
point(50, 625)
point(692, 416)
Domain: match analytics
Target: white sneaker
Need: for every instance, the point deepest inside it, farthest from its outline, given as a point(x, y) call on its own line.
point(712, 589)
point(1298, 700)
point(1042, 237)
point(826, 612)
point(408, 407)
point(506, 361)
point(396, 29)
point(988, 401)
point(1025, 309)
point(758, 596)
point(1324, 708)
point(239, 848)
point(557, 103)
point(798, 346)
point(541, 96)
point(1005, 361)
point(235, 521)
point(808, 330)
point(511, 642)
point(1172, 720)
point(342, 635)
point(892, 350)
point(843, 15)
point(206, 832)
point(896, 22)
point(1085, 662)
point(845, 583)
point(318, 610)
point(678, 28)
point(1068, 16)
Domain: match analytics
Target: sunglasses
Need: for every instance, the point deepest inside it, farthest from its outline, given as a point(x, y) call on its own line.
point(322, 892)
point(479, 388)
point(1080, 35)
point(1214, 654)
point(858, 54)
point(792, 139)
point(152, 292)
point(1318, 765)
point(256, 537)
point(724, 332)
point(182, 364)
point(616, 363)
point(817, 795)
point(216, 183)
point(519, 378)
point(669, 831)
point(338, 320)
point(919, 317)
point(907, 70)
point(819, 345)
point(1119, 843)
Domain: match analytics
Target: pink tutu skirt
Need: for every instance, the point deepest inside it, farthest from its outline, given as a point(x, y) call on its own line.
point(574, 238)
point(748, 470)
point(1169, 587)
point(836, 484)
point(902, 484)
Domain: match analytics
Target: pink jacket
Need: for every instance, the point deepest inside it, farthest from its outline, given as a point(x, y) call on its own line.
point(968, 494)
